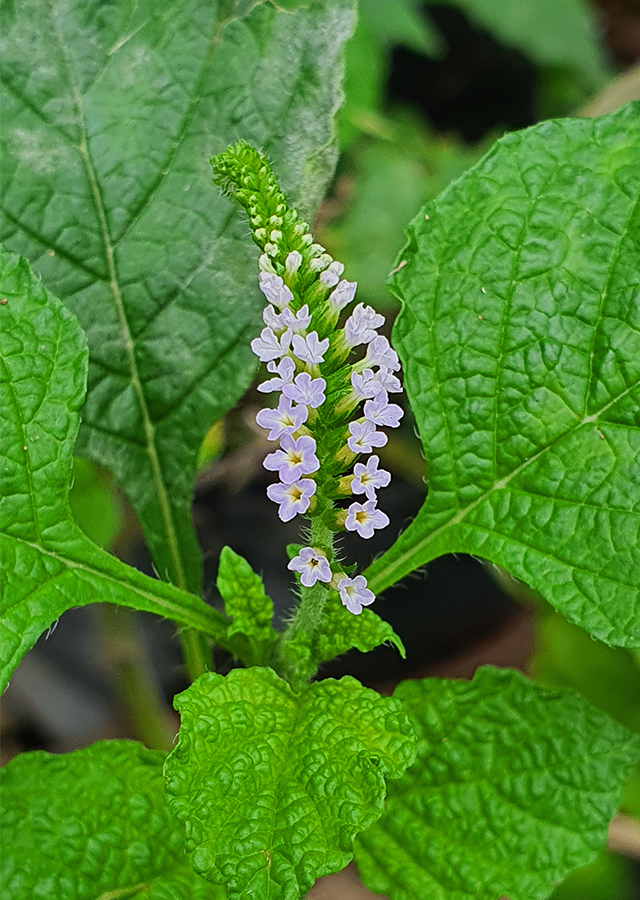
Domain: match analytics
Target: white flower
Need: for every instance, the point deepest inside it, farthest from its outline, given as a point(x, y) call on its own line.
point(266, 265)
point(297, 322)
point(332, 275)
point(285, 369)
point(310, 349)
point(366, 478)
point(292, 262)
point(275, 290)
point(365, 518)
point(381, 353)
point(355, 594)
point(364, 437)
point(272, 319)
point(313, 566)
point(381, 412)
point(269, 346)
point(286, 419)
point(343, 295)
point(293, 498)
point(388, 381)
point(361, 324)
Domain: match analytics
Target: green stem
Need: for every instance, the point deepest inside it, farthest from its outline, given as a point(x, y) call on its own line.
point(134, 682)
point(197, 653)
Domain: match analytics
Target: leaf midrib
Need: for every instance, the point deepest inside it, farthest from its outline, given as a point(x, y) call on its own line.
point(203, 620)
point(148, 425)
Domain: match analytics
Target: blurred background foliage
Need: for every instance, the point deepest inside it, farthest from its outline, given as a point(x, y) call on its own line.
point(429, 86)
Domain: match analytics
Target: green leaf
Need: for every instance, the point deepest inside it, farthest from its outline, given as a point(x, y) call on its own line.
point(513, 787)
point(93, 823)
point(520, 338)
point(47, 564)
point(110, 115)
point(399, 22)
point(273, 785)
point(560, 33)
point(251, 635)
point(338, 631)
point(94, 503)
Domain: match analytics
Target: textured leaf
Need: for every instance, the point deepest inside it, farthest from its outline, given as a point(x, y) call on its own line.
point(110, 114)
point(520, 337)
point(561, 33)
point(338, 632)
point(273, 785)
point(93, 823)
point(251, 635)
point(47, 563)
point(513, 787)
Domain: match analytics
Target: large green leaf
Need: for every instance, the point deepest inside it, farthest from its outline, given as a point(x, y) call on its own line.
point(514, 786)
point(110, 114)
point(520, 338)
point(560, 33)
point(93, 823)
point(273, 785)
point(47, 564)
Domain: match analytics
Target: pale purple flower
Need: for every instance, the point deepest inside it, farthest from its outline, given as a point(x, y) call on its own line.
point(285, 419)
point(342, 295)
point(275, 290)
point(365, 384)
point(381, 412)
point(306, 389)
point(366, 478)
point(368, 383)
point(364, 437)
point(285, 369)
point(269, 346)
point(388, 381)
point(292, 262)
point(293, 498)
point(272, 319)
point(332, 275)
point(313, 566)
point(361, 324)
point(310, 349)
point(381, 353)
point(297, 322)
point(355, 594)
point(365, 518)
point(297, 457)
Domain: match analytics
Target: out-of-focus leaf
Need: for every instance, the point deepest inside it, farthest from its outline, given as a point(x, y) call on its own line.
point(562, 33)
point(110, 114)
point(610, 877)
point(93, 824)
point(392, 180)
point(93, 503)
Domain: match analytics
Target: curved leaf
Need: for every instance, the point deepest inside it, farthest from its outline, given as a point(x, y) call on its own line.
point(514, 787)
point(273, 785)
point(520, 339)
point(93, 823)
point(47, 564)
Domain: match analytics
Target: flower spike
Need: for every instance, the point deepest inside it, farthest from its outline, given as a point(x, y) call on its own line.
point(319, 419)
